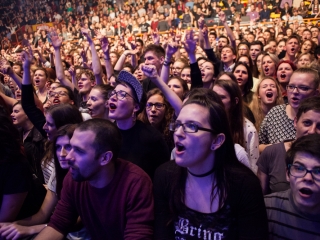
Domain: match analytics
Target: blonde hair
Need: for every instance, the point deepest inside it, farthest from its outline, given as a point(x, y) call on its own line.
point(255, 104)
point(275, 60)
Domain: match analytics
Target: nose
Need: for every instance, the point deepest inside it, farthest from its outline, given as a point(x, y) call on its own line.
point(70, 158)
point(45, 127)
point(63, 152)
point(312, 129)
point(179, 132)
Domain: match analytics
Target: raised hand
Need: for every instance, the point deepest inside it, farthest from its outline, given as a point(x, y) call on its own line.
point(150, 71)
point(189, 43)
point(56, 41)
point(27, 58)
point(72, 71)
point(105, 45)
point(222, 17)
point(201, 22)
point(86, 32)
point(171, 49)
point(5, 66)
point(155, 37)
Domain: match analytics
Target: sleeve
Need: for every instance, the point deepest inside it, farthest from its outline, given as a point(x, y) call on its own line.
point(65, 214)
point(212, 57)
point(196, 78)
point(252, 141)
point(266, 156)
point(263, 133)
point(242, 155)
point(140, 210)
point(251, 211)
point(162, 229)
point(34, 114)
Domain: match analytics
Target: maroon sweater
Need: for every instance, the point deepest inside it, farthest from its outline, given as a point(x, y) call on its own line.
point(121, 210)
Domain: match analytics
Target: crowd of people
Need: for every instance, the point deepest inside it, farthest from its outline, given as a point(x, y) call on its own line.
point(135, 120)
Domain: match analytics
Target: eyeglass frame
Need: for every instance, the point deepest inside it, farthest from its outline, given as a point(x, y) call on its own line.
point(298, 88)
point(114, 92)
point(59, 94)
point(183, 127)
point(305, 169)
point(154, 104)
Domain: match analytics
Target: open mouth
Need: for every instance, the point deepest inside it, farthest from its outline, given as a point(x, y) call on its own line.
point(202, 75)
point(112, 106)
point(306, 191)
point(283, 75)
point(80, 86)
point(37, 81)
point(239, 80)
point(14, 119)
point(293, 49)
point(56, 101)
point(266, 69)
point(180, 147)
point(269, 94)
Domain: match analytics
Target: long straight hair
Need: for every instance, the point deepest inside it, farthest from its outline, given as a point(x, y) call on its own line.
point(225, 158)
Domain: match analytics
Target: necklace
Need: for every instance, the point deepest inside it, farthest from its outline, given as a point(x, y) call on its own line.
point(201, 175)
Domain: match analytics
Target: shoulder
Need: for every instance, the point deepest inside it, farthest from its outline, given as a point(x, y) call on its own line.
point(131, 171)
point(277, 199)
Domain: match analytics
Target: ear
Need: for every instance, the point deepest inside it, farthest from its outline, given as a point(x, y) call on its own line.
point(71, 102)
point(237, 100)
point(161, 59)
point(136, 107)
point(287, 175)
point(218, 141)
point(316, 92)
point(106, 104)
point(93, 83)
point(295, 123)
point(105, 158)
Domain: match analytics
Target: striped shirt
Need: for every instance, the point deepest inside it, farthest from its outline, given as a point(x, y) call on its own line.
point(287, 222)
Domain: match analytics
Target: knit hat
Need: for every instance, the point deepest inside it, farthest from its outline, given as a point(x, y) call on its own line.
point(128, 78)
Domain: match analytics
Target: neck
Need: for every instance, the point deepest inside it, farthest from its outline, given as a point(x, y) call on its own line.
point(291, 112)
point(290, 58)
point(228, 64)
point(42, 90)
point(104, 177)
point(27, 126)
point(208, 85)
point(266, 107)
point(85, 96)
point(125, 124)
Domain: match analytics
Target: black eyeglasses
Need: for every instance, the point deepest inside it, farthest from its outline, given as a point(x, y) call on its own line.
point(120, 94)
point(157, 105)
point(60, 94)
point(291, 88)
point(300, 171)
point(188, 127)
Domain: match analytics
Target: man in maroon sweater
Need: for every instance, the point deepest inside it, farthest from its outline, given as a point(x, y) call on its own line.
point(113, 197)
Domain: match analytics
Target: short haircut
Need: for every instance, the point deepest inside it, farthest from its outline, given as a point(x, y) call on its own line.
point(293, 36)
point(108, 136)
point(257, 43)
point(157, 50)
point(225, 38)
point(306, 144)
point(308, 104)
point(86, 72)
point(311, 71)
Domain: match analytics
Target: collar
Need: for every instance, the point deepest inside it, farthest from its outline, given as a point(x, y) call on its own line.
point(228, 69)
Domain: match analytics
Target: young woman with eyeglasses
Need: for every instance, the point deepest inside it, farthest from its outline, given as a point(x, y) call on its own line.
point(141, 144)
point(158, 113)
point(206, 192)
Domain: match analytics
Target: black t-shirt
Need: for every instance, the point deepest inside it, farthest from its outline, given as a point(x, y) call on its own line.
point(242, 216)
point(144, 27)
point(144, 146)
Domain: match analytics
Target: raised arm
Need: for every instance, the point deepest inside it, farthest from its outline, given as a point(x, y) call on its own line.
point(27, 98)
point(96, 64)
point(122, 59)
point(106, 52)
point(151, 72)
point(172, 47)
point(56, 43)
point(230, 34)
point(190, 47)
